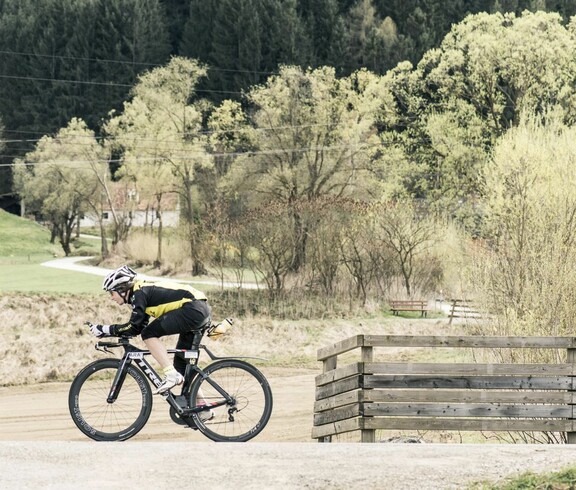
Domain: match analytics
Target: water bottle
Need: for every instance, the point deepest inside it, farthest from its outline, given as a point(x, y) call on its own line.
point(220, 329)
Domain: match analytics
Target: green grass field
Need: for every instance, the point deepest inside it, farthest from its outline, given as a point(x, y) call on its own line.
point(22, 238)
point(35, 278)
point(24, 246)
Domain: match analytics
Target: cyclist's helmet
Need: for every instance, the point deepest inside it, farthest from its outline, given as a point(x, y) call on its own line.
point(119, 280)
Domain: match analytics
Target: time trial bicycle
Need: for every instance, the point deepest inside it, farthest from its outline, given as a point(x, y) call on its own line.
point(229, 400)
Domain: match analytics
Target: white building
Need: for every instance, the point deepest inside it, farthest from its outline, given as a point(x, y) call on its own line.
point(140, 213)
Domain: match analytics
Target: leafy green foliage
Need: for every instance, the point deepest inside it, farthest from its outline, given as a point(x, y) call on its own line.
point(526, 273)
point(159, 135)
point(60, 176)
point(469, 92)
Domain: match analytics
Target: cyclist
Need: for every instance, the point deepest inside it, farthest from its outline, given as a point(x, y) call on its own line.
point(176, 309)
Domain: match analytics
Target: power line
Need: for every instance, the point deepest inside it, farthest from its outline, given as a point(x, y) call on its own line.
point(131, 137)
point(106, 84)
point(78, 58)
point(152, 160)
point(128, 62)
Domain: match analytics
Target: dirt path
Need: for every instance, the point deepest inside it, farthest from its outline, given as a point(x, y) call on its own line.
point(41, 448)
point(40, 413)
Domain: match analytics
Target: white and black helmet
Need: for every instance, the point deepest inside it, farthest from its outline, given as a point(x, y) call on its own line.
point(119, 280)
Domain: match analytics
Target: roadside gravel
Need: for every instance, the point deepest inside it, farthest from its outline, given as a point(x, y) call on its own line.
point(158, 465)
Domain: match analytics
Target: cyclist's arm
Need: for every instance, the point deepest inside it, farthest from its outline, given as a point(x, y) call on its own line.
point(138, 319)
point(125, 329)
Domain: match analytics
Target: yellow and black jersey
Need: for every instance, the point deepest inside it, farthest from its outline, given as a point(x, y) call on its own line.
point(154, 299)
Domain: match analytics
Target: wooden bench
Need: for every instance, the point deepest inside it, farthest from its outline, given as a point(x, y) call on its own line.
point(367, 396)
point(398, 305)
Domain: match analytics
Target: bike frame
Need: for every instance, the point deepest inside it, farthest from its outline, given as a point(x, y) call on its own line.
point(133, 354)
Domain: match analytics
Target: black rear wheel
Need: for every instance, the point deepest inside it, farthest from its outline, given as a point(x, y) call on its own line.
point(245, 415)
point(104, 421)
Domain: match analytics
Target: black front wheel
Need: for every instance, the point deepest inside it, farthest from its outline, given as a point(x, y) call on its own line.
point(95, 416)
point(246, 411)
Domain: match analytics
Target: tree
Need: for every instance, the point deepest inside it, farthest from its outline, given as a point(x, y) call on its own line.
point(62, 59)
point(159, 134)
point(313, 133)
point(504, 65)
point(265, 229)
point(177, 13)
point(325, 28)
point(524, 268)
point(130, 37)
point(62, 178)
point(74, 58)
point(407, 234)
point(471, 90)
point(374, 43)
point(243, 41)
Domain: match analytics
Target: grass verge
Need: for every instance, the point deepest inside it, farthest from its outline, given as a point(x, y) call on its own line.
point(561, 480)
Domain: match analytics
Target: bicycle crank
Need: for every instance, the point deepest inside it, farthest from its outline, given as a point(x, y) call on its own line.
point(182, 419)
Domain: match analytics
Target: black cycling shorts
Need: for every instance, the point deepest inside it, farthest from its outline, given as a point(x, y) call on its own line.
point(188, 318)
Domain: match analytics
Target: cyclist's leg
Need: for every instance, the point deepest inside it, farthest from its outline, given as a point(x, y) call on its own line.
point(183, 320)
point(196, 317)
point(186, 323)
point(168, 324)
point(184, 342)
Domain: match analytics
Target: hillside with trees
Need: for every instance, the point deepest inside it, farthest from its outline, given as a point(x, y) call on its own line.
point(61, 59)
point(441, 167)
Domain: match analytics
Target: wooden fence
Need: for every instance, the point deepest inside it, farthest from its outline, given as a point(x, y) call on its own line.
point(367, 396)
point(464, 308)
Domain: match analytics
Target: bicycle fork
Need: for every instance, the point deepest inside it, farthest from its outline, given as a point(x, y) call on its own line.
point(123, 369)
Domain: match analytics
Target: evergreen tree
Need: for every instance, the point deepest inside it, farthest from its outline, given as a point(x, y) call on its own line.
point(197, 35)
point(235, 53)
point(324, 25)
point(243, 42)
point(283, 38)
point(61, 59)
point(177, 12)
point(132, 37)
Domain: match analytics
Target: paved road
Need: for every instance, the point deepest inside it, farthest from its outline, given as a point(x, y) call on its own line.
point(74, 264)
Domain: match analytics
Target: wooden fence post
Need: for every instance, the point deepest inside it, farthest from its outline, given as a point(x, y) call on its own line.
point(328, 364)
point(366, 355)
point(571, 358)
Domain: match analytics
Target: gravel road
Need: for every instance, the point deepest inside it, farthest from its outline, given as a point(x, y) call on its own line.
point(267, 465)
point(41, 448)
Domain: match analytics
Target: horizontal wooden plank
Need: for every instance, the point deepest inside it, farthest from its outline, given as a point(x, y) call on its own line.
point(337, 428)
point(445, 341)
point(466, 368)
point(409, 308)
point(426, 423)
point(485, 424)
point(469, 341)
point(460, 396)
point(340, 347)
point(446, 396)
point(466, 410)
point(337, 387)
point(341, 399)
point(470, 382)
point(401, 302)
point(346, 412)
point(339, 373)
